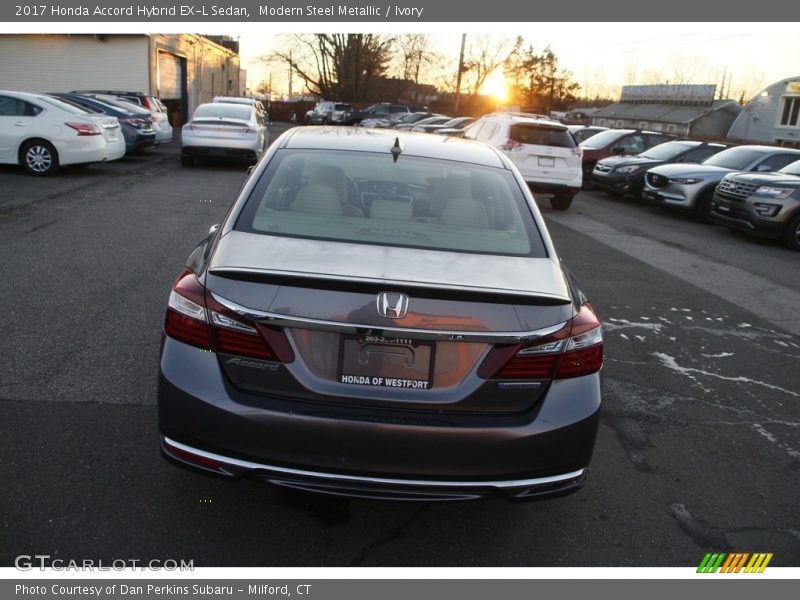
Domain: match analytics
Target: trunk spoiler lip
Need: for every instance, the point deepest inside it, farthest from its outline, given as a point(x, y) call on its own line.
point(493, 337)
point(541, 298)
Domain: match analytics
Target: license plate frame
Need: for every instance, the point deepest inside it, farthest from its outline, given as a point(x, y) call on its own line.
point(547, 161)
point(380, 362)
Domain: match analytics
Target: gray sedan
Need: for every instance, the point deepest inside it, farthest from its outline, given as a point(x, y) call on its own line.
point(382, 315)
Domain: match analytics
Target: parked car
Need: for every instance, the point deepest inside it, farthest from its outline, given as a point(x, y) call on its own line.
point(376, 111)
point(261, 112)
point(148, 101)
point(581, 133)
point(223, 131)
point(452, 127)
point(328, 112)
point(42, 134)
point(158, 117)
point(137, 128)
point(544, 151)
point(395, 119)
point(690, 188)
point(422, 125)
point(382, 315)
point(761, 204)
point(618, 142)
point(625, 174)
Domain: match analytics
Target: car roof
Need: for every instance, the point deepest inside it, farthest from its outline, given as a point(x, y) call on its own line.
point(379, 140)
point(526, 120)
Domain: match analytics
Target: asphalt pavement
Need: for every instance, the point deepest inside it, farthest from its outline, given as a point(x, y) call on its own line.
point(698, 450)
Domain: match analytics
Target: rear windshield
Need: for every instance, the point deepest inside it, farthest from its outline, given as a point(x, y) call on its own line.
point(367, 198)
point(223, 110)
point(666, 150)
point(735, 158)
point(342, 107)
point(603, 139)
point(541, 135)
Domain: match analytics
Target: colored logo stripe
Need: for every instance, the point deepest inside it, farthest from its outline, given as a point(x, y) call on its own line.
point(734, 562)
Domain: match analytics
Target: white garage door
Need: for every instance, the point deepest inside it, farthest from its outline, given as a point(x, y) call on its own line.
point(170, 76)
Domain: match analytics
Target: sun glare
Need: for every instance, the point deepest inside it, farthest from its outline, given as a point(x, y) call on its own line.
point(495, 86)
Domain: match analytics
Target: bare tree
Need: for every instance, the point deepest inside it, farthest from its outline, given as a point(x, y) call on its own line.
point(339, 65)
point(484, 55)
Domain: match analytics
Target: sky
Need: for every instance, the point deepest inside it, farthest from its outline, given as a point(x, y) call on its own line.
point(602, 56)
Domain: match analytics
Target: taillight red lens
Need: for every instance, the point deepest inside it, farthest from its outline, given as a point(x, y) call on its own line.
point(84, 128)
point(233, 335)
point(510, 144)
point(573, 351)
point(196, 318)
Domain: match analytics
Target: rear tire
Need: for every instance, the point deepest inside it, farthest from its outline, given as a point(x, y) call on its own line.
point(791, 236)
point(187, 161)
point(561, 201)
point(39, 158)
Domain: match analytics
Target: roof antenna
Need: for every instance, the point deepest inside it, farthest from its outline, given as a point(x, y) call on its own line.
point(396, 149)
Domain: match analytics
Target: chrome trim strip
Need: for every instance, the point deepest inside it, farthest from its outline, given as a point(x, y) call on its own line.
point(514, 483)
point(280, 320)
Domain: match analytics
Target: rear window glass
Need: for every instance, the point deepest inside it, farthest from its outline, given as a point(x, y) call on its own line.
point(367, 198)
point(736, 158)
point(539, 135)
point(603, 139)
point(223, 110)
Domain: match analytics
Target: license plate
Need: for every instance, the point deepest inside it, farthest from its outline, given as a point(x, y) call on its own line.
point(547, 161)
point(377, 361)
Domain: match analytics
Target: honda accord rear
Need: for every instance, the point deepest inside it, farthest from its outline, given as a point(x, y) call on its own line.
point(382, 315)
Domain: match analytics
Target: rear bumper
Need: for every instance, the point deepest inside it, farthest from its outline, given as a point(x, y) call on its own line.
point(218, 152)
point(378, 488)
point(538, 187)
point(373, 452)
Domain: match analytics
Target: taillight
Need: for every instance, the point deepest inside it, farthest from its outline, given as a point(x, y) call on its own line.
point(511, 145)
point(196, 318)
point(186, 312)
point(573, 351)
point(84, 128)
point(577, 151)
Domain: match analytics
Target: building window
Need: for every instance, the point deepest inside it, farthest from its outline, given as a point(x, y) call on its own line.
point(642, 124)
point(672, 128)
point(790, 111)
point(620, 123)
point(601, 122)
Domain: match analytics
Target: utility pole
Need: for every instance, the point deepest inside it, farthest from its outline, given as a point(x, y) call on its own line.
point(458, 76)
point(290, 75)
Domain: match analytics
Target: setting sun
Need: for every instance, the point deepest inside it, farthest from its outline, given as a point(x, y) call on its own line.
point(495, 86)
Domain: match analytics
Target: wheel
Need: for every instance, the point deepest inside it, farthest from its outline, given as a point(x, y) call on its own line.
point(187, 161)
point(703, 209)
point(561, 201)
point(39, 158)
point(791, 236)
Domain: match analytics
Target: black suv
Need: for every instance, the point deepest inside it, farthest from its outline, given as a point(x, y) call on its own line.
point(761, 204)
point(625, 174)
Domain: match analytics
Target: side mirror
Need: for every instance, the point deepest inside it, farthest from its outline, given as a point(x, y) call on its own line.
point(213, 229)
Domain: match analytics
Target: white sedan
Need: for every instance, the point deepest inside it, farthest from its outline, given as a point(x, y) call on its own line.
point(224, 131)
point(41, 133)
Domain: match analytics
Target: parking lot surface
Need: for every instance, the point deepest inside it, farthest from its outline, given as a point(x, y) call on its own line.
point(699, 446)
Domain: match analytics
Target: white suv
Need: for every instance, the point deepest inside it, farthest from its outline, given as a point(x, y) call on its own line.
point(544, 151)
